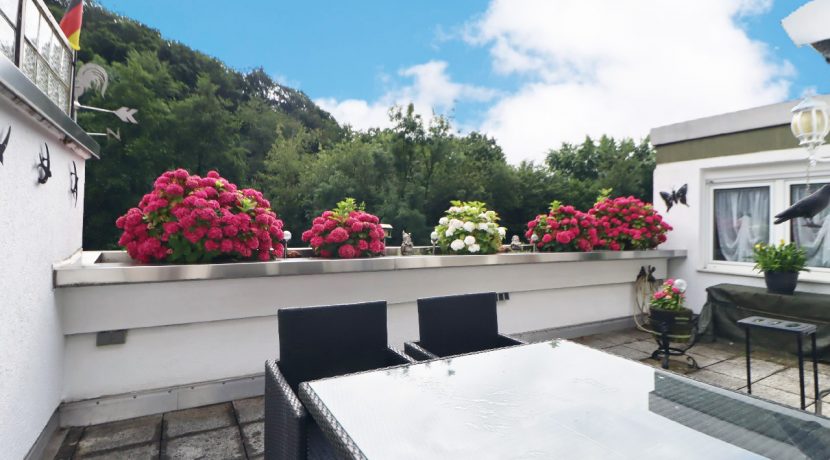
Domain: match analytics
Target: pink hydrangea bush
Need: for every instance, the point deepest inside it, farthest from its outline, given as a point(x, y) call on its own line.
point(564, 229)
point(347, 232)
point(188, 219)
point(629, 223)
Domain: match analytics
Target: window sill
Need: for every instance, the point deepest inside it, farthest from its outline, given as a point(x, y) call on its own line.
point(814, 276)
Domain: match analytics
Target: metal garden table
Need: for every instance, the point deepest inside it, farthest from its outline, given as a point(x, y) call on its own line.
point(547, 400)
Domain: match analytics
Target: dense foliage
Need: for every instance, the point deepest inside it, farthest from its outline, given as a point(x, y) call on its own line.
point(187, 219)
point(196, 113)
point(347, 231)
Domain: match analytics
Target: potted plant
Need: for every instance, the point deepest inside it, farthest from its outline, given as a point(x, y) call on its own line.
point(188, 219)
point(627, 223)
point(667, 312)
point(469, 228)
point(347, 232)
point(781, 265)
point(564, 229)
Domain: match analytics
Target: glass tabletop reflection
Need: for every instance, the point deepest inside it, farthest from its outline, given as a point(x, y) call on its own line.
point(556, 399)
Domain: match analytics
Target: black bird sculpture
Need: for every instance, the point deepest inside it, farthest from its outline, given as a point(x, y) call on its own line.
point(807, 207)
point(5, 144)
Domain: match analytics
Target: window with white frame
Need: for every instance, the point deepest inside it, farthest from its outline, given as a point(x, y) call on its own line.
point(741, 212)
point(8, 27)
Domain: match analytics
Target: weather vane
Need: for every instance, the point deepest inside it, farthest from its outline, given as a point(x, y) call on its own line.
point(94, 77)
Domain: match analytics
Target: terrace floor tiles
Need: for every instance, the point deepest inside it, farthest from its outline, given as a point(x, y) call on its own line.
point(220, 444)
point(736, 367)
point(253, 437)
point(120, 434)
point(626, 352)
point(198, 419)
point(250, 410)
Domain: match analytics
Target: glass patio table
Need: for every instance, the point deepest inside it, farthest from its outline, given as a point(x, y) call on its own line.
point(547, 400)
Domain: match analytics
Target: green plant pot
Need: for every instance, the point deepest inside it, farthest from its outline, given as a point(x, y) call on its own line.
point(781, 282)
point(678, 322)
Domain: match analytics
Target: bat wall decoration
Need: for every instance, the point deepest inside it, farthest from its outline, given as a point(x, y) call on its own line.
point(44, 168)
point(5, 144)
point(73, 182)
point(675, 197)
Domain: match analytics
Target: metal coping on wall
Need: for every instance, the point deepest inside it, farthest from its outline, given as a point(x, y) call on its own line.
point(750, 141)
point(16, 83)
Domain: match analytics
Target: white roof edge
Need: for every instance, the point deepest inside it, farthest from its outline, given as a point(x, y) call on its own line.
point(732, 122)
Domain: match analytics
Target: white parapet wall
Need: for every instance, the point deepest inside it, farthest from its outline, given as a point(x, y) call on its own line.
point(213, 326)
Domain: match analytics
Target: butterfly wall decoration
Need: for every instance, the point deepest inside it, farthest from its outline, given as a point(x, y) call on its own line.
point(675, 197)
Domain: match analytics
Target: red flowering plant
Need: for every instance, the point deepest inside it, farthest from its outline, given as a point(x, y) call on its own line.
point(347, 231)
point(564, 229)
point(187, 218)
point(628, 223)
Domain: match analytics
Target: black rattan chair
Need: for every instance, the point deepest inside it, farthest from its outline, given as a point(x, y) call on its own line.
point(457, 324)
point(319, 342)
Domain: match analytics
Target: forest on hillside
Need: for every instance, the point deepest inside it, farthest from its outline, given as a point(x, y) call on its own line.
point(196, 113)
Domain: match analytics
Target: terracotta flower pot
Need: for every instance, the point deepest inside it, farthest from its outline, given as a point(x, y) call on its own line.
point(781, 282)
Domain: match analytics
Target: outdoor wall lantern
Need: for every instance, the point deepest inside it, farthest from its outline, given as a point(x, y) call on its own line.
point(810, 125)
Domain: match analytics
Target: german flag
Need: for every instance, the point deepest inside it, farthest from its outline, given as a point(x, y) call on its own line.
point(71, 23)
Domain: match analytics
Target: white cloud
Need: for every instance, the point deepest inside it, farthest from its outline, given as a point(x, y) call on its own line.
point(429, 88)
point(620, 67)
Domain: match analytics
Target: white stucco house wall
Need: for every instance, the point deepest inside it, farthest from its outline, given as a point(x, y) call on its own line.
point(741, 168)
point(40, 223)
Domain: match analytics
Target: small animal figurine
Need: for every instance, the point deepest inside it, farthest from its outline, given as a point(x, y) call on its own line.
point(407, 248)
point(675, 197)
point(515, 244)
point(73, 182)
point(44, 168)
point(5, 144)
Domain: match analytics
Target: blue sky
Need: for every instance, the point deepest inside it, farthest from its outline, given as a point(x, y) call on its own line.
point(500, 66)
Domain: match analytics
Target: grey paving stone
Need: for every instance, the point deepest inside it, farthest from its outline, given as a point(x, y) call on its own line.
point(625, 352)
point(787, 380)
point(250, 410)
point(776, 395)
point(646, 346)
point(146, 451)
point(616, 338)
point(252, 437)
point(736, 367)
point(702, 360)
point(222, 444)
point(594, 342)
point(717, 350)
point(141, 430)
point(717, 379)
point(189, 421)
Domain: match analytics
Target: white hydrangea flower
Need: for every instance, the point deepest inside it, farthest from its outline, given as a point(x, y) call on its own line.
point(450, 232)
point(502, 231)
point(455, 209)
point(443, 221)
point(469, 226)
point(455, 223)
point(473, 247)
point(470, 239)
point(483, 226)
point(457, 245)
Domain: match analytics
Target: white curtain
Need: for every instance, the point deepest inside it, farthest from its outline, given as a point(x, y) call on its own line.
point(741, 221)
point(814, 239)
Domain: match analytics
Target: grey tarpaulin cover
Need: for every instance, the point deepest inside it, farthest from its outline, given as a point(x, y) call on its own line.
point(728, 303)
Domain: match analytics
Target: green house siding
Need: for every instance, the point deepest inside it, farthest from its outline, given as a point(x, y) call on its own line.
point(756, 140)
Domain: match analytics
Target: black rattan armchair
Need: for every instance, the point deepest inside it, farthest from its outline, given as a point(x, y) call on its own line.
point(457, 324)
point(318, 342)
